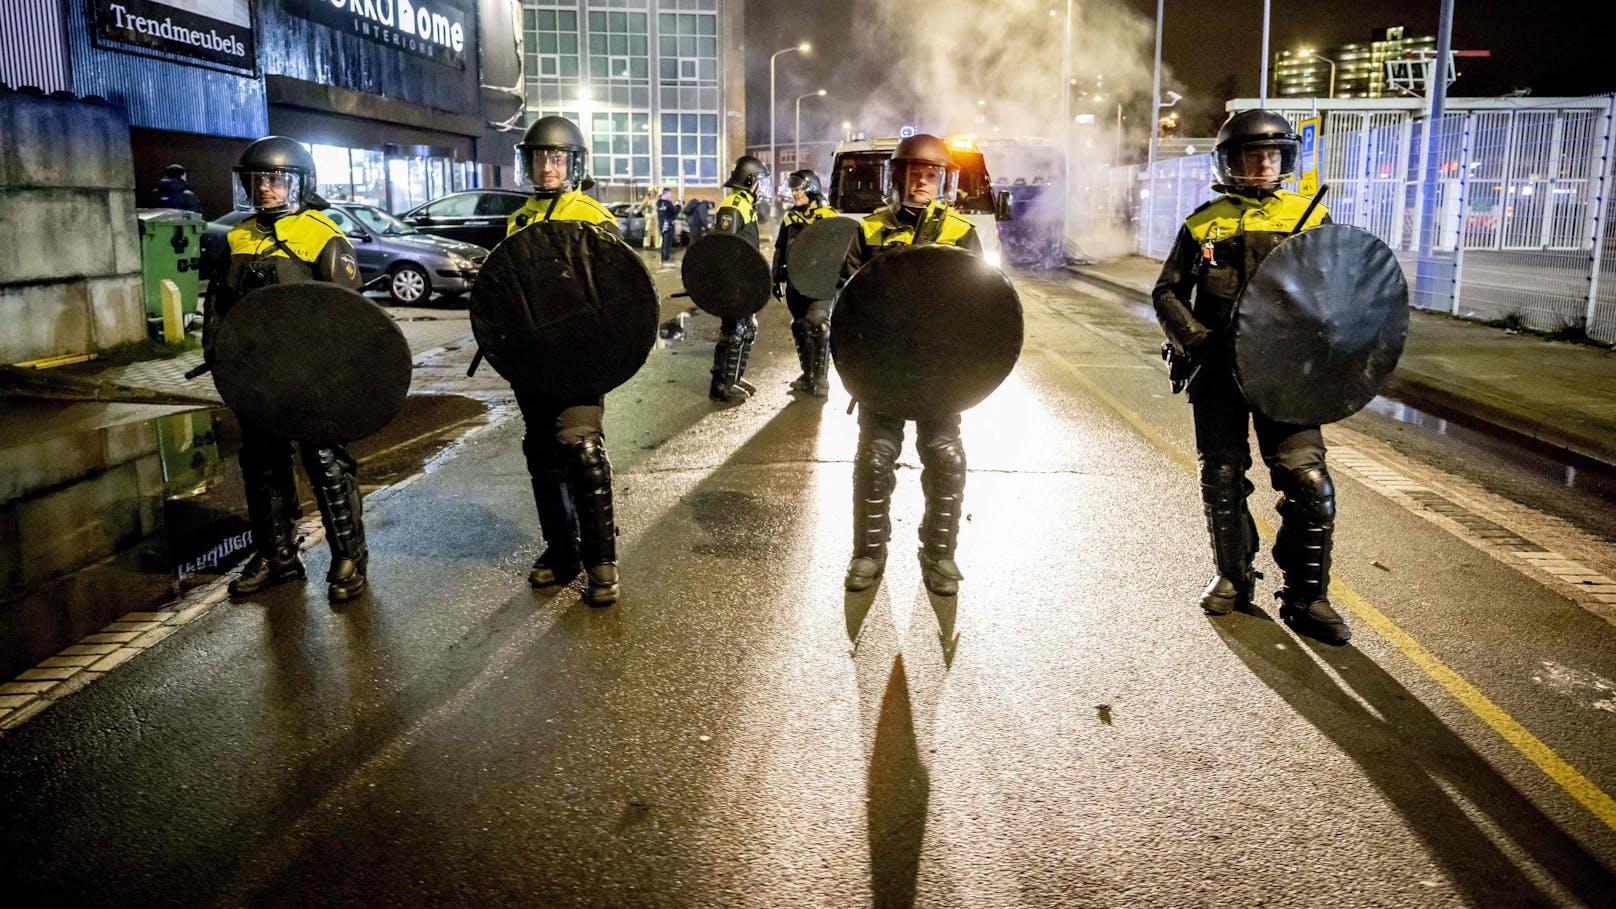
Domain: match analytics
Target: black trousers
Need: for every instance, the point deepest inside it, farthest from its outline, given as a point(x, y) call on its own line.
point(1223, 422)
point(556, 431)
point(807, 308)
point(272, 501)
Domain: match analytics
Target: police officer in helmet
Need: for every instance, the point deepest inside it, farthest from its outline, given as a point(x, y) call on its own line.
point(1218, 248)
point(810, 319)
point(918, 179)
point(287, 241)
point(738, 214)
point(565, 445)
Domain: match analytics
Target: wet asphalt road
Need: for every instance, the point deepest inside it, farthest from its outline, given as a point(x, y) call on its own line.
point(738, 731)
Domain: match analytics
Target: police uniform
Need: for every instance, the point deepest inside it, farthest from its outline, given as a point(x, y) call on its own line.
point(1217, 250)
point(266, 250)
point(737, 214)
point(565, 442)
point(810, 319)
point(942, 451)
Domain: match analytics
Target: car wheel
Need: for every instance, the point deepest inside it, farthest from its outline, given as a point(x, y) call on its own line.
point(410, 286)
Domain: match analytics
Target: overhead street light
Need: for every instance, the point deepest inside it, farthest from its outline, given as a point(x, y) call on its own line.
point(796, 132)
point(802, 48)
point(1309, 52)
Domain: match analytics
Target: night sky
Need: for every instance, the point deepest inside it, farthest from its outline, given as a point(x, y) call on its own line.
point(1207, 47)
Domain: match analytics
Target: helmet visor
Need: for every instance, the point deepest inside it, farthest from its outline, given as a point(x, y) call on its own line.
point(546, 168)
point(268, 191)
point(1261, 162)
point(921, 183)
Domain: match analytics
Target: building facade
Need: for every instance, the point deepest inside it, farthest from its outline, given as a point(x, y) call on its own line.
point(656, 86)
point(1360, 69)
point(399, 100)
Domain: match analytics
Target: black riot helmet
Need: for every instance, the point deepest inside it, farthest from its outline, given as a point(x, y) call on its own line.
point(751, 175)
point(555, 144)
point(808, 182)
point(1242, 160)
point(276, 177)
point(916, 156)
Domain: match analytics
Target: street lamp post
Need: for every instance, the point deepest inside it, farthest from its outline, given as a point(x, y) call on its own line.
point(796, 129)
point(1308, 52)
point(801, 48)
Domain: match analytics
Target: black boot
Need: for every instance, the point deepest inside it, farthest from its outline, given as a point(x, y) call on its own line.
point(748, 330)
point(1234, 538)
point(336, 489)
point(799, 336)
point(1302, 549)
point(558, 522)
point(266, 467)
point(942, 479)
point(589, 474)
point(818, 368)
point(874, 477)
point(727, 366)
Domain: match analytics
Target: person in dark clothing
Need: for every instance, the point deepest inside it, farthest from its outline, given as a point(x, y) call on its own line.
point(288, 241)
point(667, 212)
point(698, 215)
point(1218, 248)
point(919, 180)
point(174, 191)
point(738, 214)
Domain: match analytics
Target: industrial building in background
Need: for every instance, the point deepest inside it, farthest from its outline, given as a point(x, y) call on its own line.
point(1347, 70)
point(656, 86)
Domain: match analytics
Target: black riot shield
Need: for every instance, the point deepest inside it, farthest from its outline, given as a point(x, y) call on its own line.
point(814, 261)
point(1320, 325)
point(925, 331)
point(311, 361)
point(725, 276)
point(565, 308)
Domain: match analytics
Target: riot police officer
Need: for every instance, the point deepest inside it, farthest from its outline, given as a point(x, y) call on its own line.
point(738, 214)
point(287, 241)
point(918, 180)
point(1219, 246)
point(810, 319)
point(565, 445)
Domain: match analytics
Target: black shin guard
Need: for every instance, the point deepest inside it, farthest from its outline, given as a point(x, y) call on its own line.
point(336, 489)
point(874, 477)
point(589, 474)
point(817, 371)
point(1302, 549)
point(271, 492)
point(942, 479)
point(1224, 489)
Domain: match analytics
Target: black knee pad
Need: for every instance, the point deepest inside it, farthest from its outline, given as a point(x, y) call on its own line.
point(1309, 494)
point(878, 462)
point(947, 457)
point(590, 462)
point(1223, 483)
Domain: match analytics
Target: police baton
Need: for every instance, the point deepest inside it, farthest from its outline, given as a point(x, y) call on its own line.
point(193, 373)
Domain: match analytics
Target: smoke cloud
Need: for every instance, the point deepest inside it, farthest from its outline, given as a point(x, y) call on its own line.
point(995, 70)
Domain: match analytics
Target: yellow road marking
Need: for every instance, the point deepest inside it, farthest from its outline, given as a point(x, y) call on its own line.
point(1570, 779)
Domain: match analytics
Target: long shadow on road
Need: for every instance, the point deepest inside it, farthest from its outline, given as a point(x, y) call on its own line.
point(1428, 774)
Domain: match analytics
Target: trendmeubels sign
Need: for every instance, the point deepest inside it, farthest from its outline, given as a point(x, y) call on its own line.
point(435, 29)
point(208, 31)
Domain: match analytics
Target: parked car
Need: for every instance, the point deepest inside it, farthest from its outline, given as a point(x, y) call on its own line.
point(473, 216)
point(414, 264)
point(631, 221)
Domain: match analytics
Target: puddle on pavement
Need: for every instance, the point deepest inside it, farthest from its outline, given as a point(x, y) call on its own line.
point(1567, 471)
point(107, 509)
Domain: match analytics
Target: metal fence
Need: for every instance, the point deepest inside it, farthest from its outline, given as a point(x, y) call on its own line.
point(1517, 225)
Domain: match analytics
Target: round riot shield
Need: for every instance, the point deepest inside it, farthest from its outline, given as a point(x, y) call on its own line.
point(814, 261)
point(725, 276)
point(311, 361)
point(1320, 325)
point(565, 308)
point(925, 331)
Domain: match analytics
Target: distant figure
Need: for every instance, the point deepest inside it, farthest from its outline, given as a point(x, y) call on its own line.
point(667, 212)
point(698, 213)
point(174, 191)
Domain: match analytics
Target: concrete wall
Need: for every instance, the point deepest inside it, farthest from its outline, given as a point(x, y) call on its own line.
point(69, 246)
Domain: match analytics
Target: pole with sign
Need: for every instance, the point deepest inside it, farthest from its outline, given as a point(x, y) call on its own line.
point(1307, 177)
